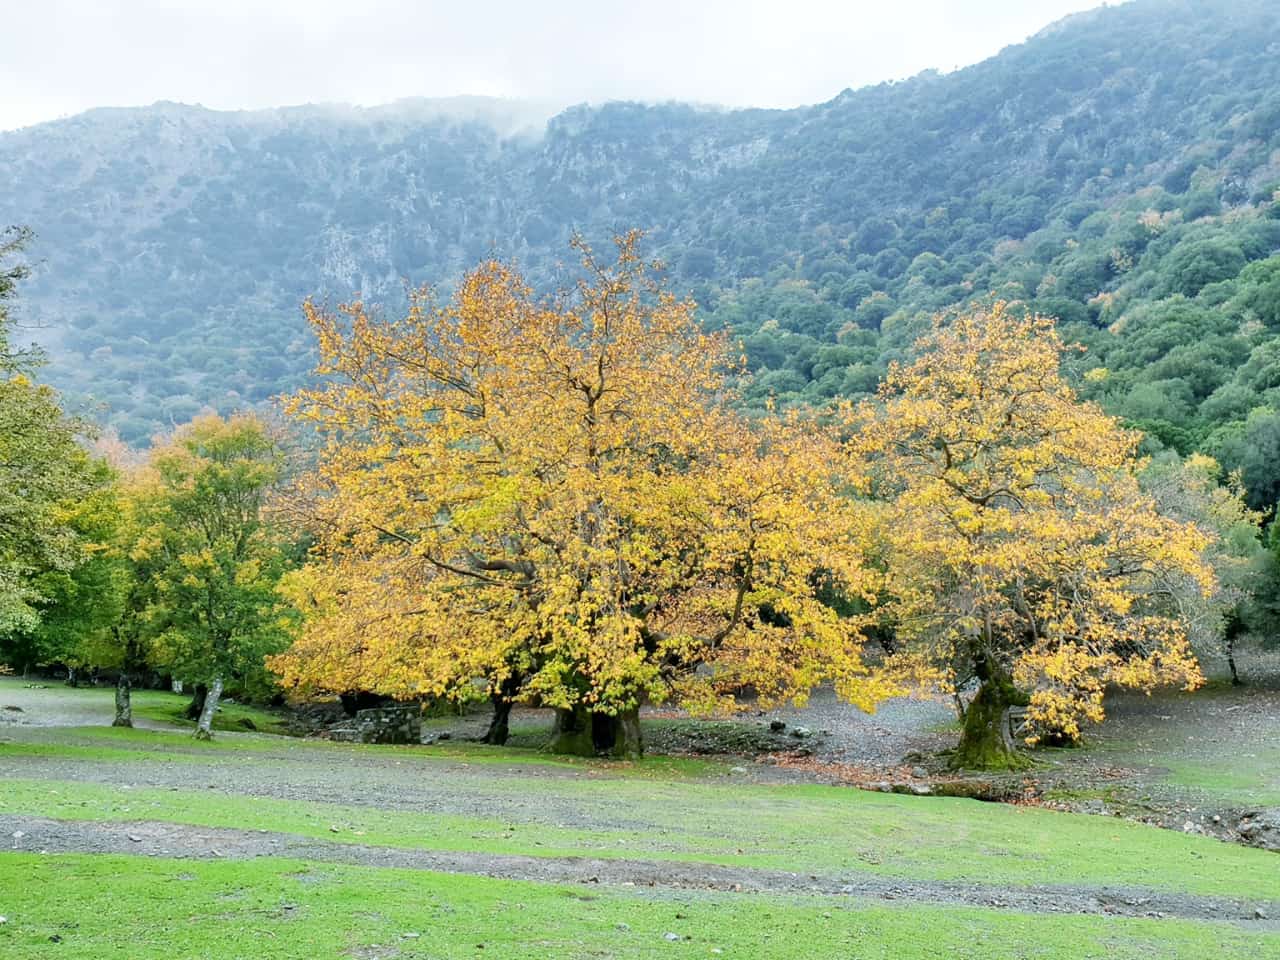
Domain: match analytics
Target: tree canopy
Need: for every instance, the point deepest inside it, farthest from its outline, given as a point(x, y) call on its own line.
point(557, 496)
point(1021, 550)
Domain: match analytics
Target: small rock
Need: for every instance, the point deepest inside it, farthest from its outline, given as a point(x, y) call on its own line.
point(777, 726)
point(334, 828)
point(18, 834)
point(4, 919)
point(410, 936)
point(1217, 818)
point(881, 786)
point(55, 939)
point(135, 838)
point(14, 708)
point(445, 735)
point(921, 789)
point(919, 773)
point(1259, 914)
point(673, 937)
point(624, 927)
point(800, 732)
point(737, 771)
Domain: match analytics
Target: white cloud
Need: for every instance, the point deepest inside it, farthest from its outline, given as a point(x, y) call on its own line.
point(62, 56)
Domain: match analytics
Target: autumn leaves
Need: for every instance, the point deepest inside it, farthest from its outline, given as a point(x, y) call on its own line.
point(559, 501)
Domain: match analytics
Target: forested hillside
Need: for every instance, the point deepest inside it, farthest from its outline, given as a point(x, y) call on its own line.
point(1119, 171)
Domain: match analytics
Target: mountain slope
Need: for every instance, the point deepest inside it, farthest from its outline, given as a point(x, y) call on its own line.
point(176, 242)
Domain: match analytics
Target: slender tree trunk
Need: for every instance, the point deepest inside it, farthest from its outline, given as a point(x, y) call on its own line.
point(1231, 662)
point(204, 729)
point(499, 725)
point(71, 676)
point(124, 701)
point(502, 699)
point(196, 706)
point(986, 742)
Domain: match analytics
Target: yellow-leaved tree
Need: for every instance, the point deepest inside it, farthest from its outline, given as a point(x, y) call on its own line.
point(1021, 551)
point(552, 499)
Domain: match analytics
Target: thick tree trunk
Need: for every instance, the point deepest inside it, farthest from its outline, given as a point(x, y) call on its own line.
point(986, 743)
point(124, 701)
point(204, 729)
point(571, 733)
point(499, 725)
point(618, 735)
point(584, 733)
point(196, 706)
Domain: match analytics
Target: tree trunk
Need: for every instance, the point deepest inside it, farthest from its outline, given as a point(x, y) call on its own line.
point(986, 742)
point(124, 701)
point(571, 733)
point(585, 733)
point(499, 726)
point(204, 729)
point(71, 676)
point(1231, 662)
point(618, 735)
point(196, 706)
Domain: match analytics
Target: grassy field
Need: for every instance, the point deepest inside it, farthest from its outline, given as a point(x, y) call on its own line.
point(515, 803)
point(95, 907)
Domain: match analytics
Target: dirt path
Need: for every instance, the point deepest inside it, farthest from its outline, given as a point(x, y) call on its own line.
point(160, 839)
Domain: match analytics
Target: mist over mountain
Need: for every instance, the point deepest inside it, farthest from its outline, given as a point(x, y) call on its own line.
point(1117, 170)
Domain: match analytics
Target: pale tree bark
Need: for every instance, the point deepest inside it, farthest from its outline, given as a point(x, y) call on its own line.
point(204, 729)
point(124, 701)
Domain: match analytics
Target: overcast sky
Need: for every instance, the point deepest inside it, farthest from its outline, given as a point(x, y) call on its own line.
point(58, 57)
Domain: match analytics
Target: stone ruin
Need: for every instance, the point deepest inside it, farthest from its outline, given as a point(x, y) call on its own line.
point(398, 723)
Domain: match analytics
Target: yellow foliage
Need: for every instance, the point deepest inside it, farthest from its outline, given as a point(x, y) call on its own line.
point(557, 493)
point(1015, 534)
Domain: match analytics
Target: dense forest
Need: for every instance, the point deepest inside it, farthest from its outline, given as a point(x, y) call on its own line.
point(1118, 171)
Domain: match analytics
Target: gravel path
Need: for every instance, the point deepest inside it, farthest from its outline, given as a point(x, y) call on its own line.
point(160, 839)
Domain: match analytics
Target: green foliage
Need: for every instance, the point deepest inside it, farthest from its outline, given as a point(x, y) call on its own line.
point(45, 476)
point(1122, 159)
point(81, 608)
point(209, 560)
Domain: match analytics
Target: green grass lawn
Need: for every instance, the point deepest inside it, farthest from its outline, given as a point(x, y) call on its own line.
point(588, 809)
point(463, 797)
point(170, 708)
point(92, 907)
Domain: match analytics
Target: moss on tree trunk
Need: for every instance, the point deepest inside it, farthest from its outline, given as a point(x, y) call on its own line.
point(584, 733)
point(986, 742)
point(571, 733)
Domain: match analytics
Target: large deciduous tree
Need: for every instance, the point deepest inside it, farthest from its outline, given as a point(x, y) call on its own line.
point(210, 559)
point(552, 497)
point(1021, 550)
